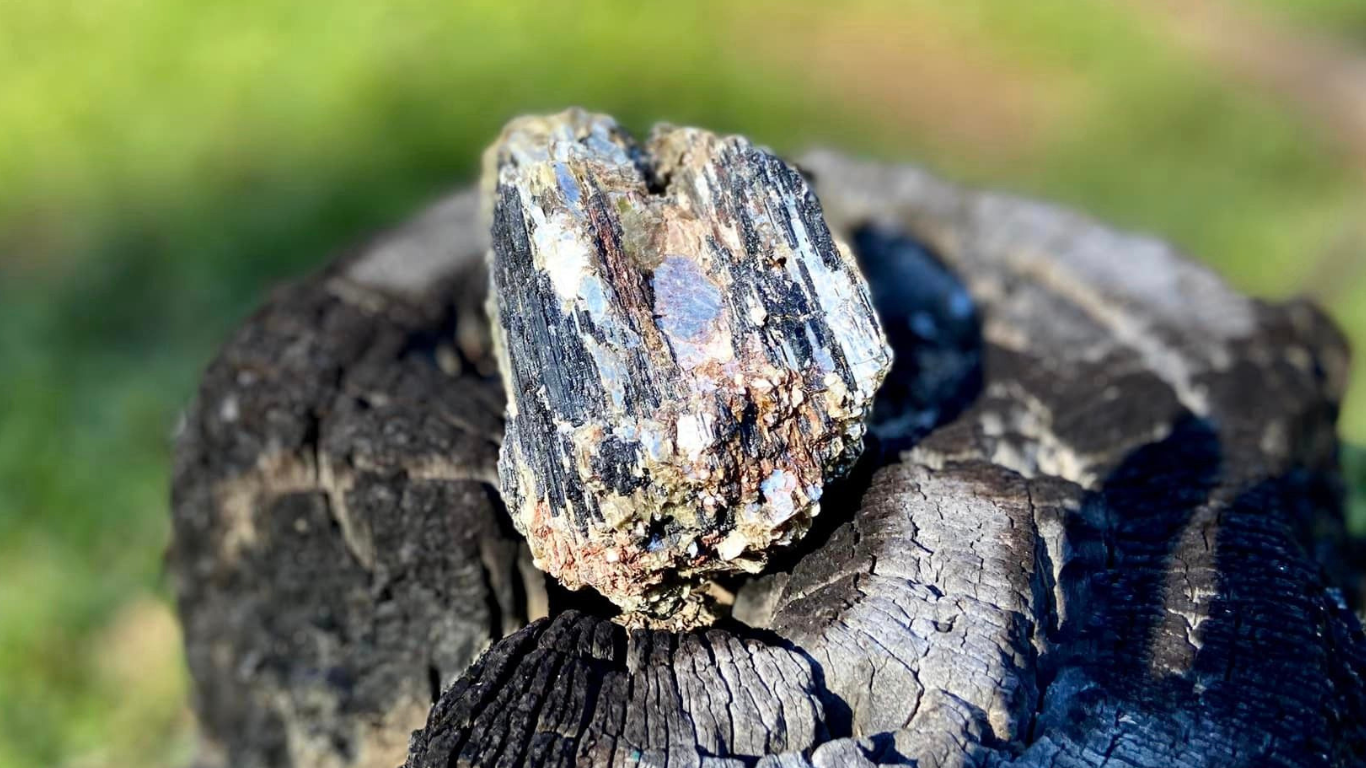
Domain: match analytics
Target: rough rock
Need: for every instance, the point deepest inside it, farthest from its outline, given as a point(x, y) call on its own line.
point(689, 355)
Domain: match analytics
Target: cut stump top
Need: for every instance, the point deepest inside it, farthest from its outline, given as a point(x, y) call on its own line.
point(1098, 522)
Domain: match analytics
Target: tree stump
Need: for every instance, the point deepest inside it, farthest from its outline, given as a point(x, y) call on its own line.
point(1098, 522)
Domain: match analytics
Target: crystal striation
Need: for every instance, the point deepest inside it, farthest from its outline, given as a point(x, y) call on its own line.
point(689, 354)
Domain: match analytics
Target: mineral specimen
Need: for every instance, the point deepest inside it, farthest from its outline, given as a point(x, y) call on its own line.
point(688, 353)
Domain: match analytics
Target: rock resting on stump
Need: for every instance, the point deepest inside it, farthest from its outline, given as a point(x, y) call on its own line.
point(1097, 521)
point(688, 355)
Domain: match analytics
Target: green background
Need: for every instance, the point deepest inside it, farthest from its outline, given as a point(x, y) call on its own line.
point(163, 162)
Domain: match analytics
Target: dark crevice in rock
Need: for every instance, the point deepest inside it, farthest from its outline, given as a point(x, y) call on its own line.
point(430, 340)
point(434, 681)
point(492, 606)
point(584, 600)
point(884, 751)
point(1046, 622)
point(933, 326)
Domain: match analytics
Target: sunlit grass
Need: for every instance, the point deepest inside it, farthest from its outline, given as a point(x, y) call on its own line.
point(163, 162)
point(1345, 18)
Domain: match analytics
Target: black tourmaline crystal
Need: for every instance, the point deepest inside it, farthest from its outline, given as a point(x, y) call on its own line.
point(689, 355)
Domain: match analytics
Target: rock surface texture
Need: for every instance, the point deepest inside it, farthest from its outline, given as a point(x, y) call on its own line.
point(1096, 523)
point(688, 353)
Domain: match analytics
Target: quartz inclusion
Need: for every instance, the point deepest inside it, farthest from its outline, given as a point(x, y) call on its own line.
point(689, 355)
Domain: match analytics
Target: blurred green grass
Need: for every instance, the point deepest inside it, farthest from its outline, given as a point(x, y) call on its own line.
point(164, 162)
point(1346, 18)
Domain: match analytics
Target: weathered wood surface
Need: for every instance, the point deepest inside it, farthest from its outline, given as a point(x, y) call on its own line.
point(1097, 524)
point(339, 550)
